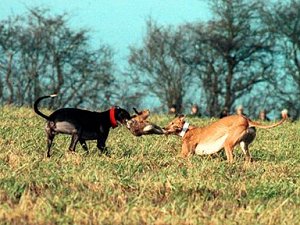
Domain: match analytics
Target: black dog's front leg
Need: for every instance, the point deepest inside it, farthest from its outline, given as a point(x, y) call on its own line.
point(84, 145)
point(101, 144)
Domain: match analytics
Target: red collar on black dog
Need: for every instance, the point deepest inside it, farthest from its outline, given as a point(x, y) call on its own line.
point(112, 117)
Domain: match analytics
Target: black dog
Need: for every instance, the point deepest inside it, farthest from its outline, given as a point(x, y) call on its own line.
point(81, 124)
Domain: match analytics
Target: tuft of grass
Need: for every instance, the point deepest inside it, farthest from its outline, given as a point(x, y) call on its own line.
point(142, 180)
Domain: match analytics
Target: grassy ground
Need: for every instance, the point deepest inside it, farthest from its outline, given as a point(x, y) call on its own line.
point(143, 181)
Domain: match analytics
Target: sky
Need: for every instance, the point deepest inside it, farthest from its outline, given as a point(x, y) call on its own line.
point(119, 23)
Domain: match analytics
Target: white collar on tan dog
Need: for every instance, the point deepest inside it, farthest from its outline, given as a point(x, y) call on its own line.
point(184, 129)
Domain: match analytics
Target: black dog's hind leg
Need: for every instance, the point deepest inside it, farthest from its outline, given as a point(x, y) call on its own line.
point(74, 140)
point(50, 136)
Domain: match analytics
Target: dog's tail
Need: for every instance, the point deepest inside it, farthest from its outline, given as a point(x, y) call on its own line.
point(258, 125)
point(35, 105)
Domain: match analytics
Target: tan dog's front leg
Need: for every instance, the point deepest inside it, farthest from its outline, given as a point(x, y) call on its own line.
point(185, 149)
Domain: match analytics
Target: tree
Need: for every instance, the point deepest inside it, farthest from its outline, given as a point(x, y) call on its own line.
point(232, 52)
point(9, 47)
point(41, 55)
point(284, 23)
point(157, 67)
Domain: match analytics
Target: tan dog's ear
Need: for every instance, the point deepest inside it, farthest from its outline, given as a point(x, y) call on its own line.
point(181, 117)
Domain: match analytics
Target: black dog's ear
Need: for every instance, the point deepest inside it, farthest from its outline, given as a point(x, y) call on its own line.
point(121, 114)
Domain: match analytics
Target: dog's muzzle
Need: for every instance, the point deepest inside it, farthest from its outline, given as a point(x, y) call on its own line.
point(129, 123)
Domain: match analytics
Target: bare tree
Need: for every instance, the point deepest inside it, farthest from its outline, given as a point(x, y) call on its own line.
point(40, 54)
point(283, 20)
point(157, 67)
point(8, 50)
point(232, 52)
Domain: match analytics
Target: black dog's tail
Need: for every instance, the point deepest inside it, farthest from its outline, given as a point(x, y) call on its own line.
point(35, 106)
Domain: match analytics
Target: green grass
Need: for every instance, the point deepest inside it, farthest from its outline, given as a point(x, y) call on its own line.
point(144, 181)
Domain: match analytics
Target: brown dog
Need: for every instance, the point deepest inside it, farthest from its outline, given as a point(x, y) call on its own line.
point(139, 125)
point(225, 133)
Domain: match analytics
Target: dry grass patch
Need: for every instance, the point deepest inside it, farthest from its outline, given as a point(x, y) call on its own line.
point(142, 180)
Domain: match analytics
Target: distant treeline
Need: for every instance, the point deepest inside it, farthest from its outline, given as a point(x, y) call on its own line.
point(248, 53)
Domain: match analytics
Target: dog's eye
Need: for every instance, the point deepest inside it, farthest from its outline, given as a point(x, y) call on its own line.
point(177, 128)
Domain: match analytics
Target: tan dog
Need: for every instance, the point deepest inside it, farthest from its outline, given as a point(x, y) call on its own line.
point(225, 133)
point(139, 125)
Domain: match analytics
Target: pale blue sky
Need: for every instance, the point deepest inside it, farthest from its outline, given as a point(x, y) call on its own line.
point(119, 23)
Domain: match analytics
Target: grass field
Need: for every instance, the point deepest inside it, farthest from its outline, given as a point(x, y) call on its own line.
point(143, 181)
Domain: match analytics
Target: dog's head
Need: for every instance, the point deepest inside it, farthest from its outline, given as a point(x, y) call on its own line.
point(175, 126)
point(139, 125)
point(121, 115)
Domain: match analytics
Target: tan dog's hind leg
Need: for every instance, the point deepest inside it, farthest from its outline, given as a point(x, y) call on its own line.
point(229, 152)
point(233, 139)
